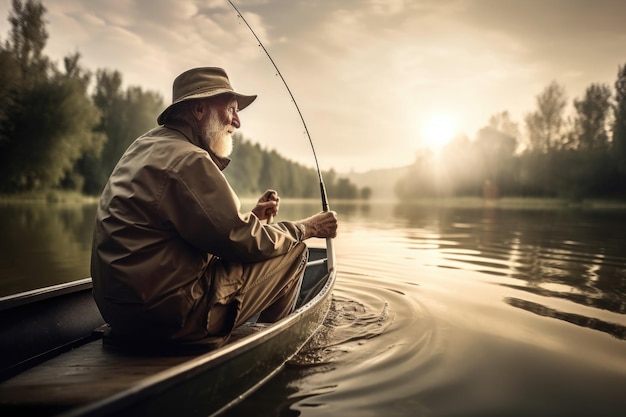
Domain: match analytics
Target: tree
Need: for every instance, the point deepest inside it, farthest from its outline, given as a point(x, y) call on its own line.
point(9, 91)
point(253, 170)
point(419, 180)
point(49, 120)
point(496, 151)
point(502, 123)
point(546, 125)
point(344, 189)
point(28, 40)
point(245, 165)
point(591, 120)
point(459, 172)
point(125, 116)
point(619, 123)
point(51, 135)
point(21, 60)
point(141, 108)
point(271, 172)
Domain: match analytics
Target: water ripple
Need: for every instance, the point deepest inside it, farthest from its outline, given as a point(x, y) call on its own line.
point(350, 346)
point(465, 312)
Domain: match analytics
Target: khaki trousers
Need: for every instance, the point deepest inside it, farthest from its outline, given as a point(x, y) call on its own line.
point(241, 291)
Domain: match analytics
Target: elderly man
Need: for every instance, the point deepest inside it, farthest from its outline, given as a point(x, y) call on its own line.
point(173, 258)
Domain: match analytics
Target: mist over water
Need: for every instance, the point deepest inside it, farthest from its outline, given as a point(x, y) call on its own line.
point(439, 309)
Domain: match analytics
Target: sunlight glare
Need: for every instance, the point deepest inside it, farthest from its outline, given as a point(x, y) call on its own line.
point(437, 130)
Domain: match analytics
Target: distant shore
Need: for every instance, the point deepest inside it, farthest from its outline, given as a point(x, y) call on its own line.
point(52, 196)
point(59, 196)
point(518, 202)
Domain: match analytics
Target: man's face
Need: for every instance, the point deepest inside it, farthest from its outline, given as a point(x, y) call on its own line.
point(219, 126)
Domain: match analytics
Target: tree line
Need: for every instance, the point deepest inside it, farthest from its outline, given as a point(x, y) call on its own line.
point(575, 157)
point(58, 131)
point(255, 170)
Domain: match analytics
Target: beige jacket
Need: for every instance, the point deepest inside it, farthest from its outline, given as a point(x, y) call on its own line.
point(166, 209)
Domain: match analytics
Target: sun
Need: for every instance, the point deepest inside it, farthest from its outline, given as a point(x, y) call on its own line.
point(437, 130)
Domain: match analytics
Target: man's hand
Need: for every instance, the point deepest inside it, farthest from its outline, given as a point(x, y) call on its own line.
point(267, 206)
point(323, 225)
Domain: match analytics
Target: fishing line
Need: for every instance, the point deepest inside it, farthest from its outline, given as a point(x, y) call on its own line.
point(329, 245)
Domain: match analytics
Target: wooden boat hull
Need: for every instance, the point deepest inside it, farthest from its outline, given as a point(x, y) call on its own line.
point(98, 381)
point(39, 324)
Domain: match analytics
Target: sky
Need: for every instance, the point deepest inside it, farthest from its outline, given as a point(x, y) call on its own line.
point(375, 80)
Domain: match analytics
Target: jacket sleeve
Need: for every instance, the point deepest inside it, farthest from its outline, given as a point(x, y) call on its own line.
point(200, 205)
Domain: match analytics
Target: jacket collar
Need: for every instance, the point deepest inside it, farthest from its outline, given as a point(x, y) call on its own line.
point(185, 130)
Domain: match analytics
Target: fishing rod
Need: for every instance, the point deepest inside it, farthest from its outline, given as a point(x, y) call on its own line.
point(329, 242)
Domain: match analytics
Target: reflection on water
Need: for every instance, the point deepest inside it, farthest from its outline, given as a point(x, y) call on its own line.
point(571, 254)
point(440, 309)
point(487, 311)
point(613, 329)
point(43, 244)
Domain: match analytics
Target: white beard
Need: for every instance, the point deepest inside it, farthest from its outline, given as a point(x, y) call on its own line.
point(217, 136)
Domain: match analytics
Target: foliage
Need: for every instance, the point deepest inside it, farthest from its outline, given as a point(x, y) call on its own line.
point(53, 134)
point(254, 170)
point(591, 123)
point(568, 160)
point(619, 124)
point(28, 39)
point(56, 131)
point(546, 124)
point(125, 116)
point(9, 91)
point(419, 180)
point(47, 122)
point(495, 151)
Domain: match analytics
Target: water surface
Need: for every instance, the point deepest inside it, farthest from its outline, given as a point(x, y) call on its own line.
point(455, 309)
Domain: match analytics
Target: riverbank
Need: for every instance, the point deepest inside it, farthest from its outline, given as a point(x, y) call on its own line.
point(51, 196)
point(517, 202)
point(60, 196)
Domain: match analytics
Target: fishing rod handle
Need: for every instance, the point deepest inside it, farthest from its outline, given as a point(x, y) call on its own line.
point(330, 254)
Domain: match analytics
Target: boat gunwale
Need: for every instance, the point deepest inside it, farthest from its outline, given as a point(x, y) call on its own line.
point(20, 299)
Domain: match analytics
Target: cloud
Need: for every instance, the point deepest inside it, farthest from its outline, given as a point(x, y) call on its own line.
point(363, 72)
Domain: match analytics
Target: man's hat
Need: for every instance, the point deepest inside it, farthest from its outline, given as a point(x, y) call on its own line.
point(203, 83)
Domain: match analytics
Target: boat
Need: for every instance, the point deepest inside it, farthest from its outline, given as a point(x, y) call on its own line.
point(54, 359)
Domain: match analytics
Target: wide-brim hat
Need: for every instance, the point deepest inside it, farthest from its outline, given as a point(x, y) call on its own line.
point(203, 82)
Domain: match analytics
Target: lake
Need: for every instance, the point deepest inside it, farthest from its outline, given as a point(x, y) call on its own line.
point(445, 308)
